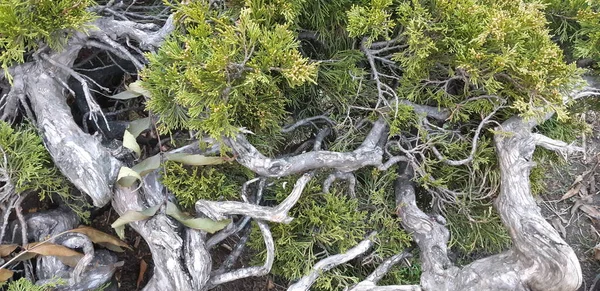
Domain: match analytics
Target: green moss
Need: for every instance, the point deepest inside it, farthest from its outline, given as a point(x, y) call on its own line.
point(31, 170)
point(189, 184)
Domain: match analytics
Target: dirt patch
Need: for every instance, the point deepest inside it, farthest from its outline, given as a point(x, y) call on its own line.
point(574, 217)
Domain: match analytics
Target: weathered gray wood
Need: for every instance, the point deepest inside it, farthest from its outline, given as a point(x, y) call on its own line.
point(539, 260)
point(180, 262)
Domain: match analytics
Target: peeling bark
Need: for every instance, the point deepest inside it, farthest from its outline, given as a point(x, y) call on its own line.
point(62, 137)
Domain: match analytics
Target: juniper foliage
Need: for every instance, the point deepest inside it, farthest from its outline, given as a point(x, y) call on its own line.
point(261, 64)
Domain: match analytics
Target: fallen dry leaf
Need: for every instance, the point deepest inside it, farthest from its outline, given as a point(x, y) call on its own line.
point(559, 227)
point(66, 255)
point(6, 250)
point(143, 268)
point(597, 252)
point(590, 210)
point(5, 274)
point(104, 239)
point(572, 192)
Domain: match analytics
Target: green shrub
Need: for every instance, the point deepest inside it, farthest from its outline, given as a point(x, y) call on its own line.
point(330, 223)
point(220, 72)
point(23, 284)
point(189, 184)
point(31, 170)
point(26, 24)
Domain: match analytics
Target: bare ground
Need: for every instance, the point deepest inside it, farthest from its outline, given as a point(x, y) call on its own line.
point(577, 218)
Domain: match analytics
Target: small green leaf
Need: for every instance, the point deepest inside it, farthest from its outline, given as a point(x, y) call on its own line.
point(137, 88)
point(132, 216)
point(125, 95)
point(127, 177)
point(194, 160)
point(148, 165)
point(138, 126)
point(204, 224)
point(130, 143)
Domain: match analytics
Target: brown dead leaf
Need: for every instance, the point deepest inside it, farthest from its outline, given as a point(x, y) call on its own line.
point(270, 284)
point(572, 192)
point(583, 191)
point(575, 207)
point(590, 210)
point(112, 247)
point(578, 179)
point(597, 252)
point(556, 223)
point(102, 238)
point(66, 255)
point(6, 250)
point(5, 274)
point(143, 268)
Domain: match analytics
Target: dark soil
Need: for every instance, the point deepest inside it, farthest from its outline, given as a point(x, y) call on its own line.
point(127, 276)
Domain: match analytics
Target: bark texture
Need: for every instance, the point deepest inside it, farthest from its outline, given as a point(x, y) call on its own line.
point(539, 260)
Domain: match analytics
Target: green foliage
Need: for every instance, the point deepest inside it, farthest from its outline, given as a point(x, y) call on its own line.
point(250, 66)
point(373, 20)
point(324, 224)
point(189, 184)
point(476, 228)
point(404, 275)
point(466, 179)
point(336, 89)
point(566, 131)
point(26, 24)
point(488, 47)
point(576, 24)
point(404, 117)
point(217, 74)
point(330, 223)
point(30, 168)
point(24, 284)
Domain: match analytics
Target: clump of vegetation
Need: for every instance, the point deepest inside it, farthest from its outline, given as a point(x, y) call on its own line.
point(254, 65)
point(23, 284)
point(28, 25)
point(330, 223)
point(221, 72)
point(189, 184)
point(576, 27)
point(29, 168)
point(485, 48)
point(476, 230)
